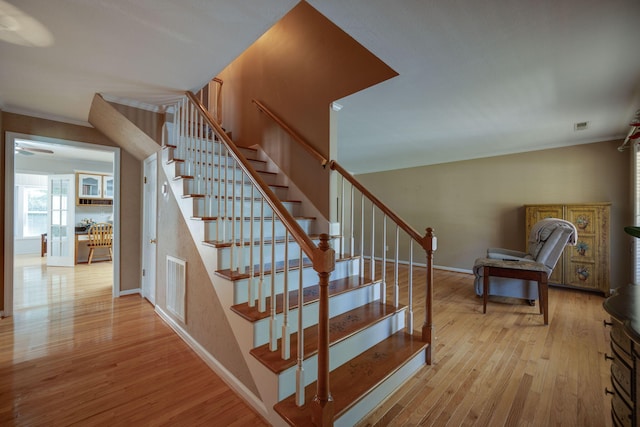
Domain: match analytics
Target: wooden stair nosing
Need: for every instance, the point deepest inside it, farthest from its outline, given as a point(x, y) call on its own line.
point(278, 240)
point(341, 327)
point(254, 150)
point(310, 295)
point(356, 379)
point(208, 163)
point(188, 177)
point(247, 218)
point(232, 181)
point(246, 199)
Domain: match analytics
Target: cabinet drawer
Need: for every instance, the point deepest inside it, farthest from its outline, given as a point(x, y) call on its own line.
point(619, 353)
point(621, 379)
point(620, 411)
point(620, 338)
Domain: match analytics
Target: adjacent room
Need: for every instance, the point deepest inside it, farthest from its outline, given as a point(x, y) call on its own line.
point(61, 192)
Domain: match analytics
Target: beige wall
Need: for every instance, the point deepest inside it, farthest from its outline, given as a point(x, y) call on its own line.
point(297, 68)
point(148, 121)
point(130, 186)
point(206, 321)
point(476, 204)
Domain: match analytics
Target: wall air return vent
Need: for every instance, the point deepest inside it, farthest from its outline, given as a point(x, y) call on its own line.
point(176, 286)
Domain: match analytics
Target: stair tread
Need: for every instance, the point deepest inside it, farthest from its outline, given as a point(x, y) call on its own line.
point(354, 379)
point(239, 182)
point(189, 177)
point(248, 218)
point(246, 242)
point(262, 162)
point(310, 294)
point(340, 328)
point(293, 264)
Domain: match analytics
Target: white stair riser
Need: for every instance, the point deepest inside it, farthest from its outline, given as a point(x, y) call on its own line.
point(340, 303)
point(198, 157)
point(201, 210)
point(343, 269)
point(207, 142)
point(242, 254)
point(227, 190)
point(225, 227)
point(342, 352)
point(187, 169)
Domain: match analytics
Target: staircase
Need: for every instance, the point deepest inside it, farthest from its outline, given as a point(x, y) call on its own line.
point(278, 275)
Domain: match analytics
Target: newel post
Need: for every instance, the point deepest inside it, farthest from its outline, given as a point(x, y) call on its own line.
point(324, 262)
point(430, 245)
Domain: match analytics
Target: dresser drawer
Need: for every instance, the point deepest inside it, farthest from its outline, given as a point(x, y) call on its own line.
point(621, 355)
point(620, 411)
point(621, 379)
point(620, 338)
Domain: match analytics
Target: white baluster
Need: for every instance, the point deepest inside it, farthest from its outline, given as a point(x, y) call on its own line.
point(300, 362)
point(286, 350)
point(273, 323)
point(410, 312)
point(252, 297)
point(383, 283)
point(262, 298)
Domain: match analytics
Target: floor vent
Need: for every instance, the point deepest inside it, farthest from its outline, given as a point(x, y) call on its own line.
point(176, 283)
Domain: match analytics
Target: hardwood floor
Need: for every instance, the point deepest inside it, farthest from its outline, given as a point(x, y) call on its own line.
point(74, 355)
point(505, 368)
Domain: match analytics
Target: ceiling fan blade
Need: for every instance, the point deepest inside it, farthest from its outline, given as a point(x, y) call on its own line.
point(22, 151)
point(33, 150)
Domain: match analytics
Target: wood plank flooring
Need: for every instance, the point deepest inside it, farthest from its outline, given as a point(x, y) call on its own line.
point(73, 355)
point(505, 368)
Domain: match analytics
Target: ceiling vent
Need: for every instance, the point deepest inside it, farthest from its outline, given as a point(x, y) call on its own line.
point(580, 126)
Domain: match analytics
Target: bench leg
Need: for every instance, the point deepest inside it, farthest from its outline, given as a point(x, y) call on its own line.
point(485, 289)
point(544, 298)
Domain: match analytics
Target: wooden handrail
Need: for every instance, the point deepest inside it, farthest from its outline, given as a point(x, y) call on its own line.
point(333, 165)
point(293, 134)
point(305, 242)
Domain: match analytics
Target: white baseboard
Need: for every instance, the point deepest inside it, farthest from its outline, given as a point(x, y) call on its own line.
point(214, 365)
point(422, 264)
point(458, 270)
point(130, 292)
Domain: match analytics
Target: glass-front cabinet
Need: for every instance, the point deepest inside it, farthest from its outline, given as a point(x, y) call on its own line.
point(94, 189)
point(89, 186)
point(107, 187)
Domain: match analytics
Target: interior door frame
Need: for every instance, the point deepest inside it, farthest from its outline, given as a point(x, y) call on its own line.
point(149, 208)
point(9, 173)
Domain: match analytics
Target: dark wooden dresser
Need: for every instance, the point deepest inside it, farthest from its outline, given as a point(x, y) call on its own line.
point(624, 308)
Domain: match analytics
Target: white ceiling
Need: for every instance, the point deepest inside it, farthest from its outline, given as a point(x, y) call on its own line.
point(477, 78)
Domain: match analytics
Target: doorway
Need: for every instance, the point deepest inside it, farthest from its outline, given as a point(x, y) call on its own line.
point(56, 157)
point(149, 235)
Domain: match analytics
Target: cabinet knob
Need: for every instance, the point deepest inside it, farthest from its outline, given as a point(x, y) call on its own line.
point(607, 357)
point(607, 391)
point(607, 323)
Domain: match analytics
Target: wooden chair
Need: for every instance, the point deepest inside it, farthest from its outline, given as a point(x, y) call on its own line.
point(43, 244)
point(100, 236)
